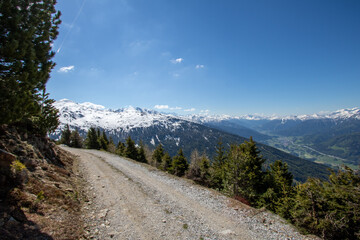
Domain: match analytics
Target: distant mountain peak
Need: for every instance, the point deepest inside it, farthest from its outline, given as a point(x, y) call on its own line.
point(86, 115)
point(336, 115)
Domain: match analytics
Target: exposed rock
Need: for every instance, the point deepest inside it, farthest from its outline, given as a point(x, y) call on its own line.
point(6, 158)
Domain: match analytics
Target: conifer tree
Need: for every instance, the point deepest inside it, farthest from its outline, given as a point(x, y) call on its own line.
point(92, 139)
point(279, 194)
point(158, 155)
point(205, 171)
point(179, 164)
point(245, 176)
point(141, 153)
point(105, 138)
point(218, 171)
point(329, 209)
point(65, 135)
point(166, 162)
point(120, 149)
point(75, 139)
point(28, 29)
point(104, 142)
point(130, 150)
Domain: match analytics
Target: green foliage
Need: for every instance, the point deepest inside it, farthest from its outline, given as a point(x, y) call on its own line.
point(120, 149)
point(40, 196)
point(329, 209)
point(199, 168)
point(166, 162)
point(280, 191)
point(17, 166)
point(65, 135)
point(48, 118)
point(141, 153)
point(28, 29)
point(91, 141)
point(179, 164)
point(157, 155)
point(245, 176)
point(130, 150)
point(103, 140)
point(218, 170)
point(75, 140)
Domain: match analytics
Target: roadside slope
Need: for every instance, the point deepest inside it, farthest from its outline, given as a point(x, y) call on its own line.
point(128, 200)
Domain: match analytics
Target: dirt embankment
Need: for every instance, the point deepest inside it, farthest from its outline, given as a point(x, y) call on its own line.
point(128, 200)
point(39, 195)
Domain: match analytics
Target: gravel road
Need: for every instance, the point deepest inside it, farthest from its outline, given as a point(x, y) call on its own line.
point(129, 200)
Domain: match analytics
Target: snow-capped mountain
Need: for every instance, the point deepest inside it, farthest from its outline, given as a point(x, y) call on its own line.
point(172, 132)
point(336, 115)
point(85, 115)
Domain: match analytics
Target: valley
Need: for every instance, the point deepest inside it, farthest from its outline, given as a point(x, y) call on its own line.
point(297, 147)
point(332, 139)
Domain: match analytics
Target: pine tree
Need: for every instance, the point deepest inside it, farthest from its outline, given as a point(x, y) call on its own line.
point(120, 149)
point(329, 209)
point(75, 139)
point(65, 135)
point(245, 176)
point(28, 29)
point(141, 153)
point(130, 150)
point(179, 164)
point(158, 155)
point(92, 139)
point(279, 195)
point(218, 171)
point(104, 142)
point(205, 171)
point(166, 162)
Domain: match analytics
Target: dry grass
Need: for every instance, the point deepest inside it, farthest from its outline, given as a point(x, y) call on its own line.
point(44, 204)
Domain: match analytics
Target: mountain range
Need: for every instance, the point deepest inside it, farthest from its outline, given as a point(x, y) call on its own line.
point(172, 132)
point(332, 138)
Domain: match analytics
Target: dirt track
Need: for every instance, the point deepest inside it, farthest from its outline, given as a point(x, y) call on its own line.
point(129, 200)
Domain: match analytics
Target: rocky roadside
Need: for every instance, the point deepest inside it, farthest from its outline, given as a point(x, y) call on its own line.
point(40, 195)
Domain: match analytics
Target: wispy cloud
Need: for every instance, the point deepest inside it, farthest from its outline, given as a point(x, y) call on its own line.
point(177, 60)
point(66, 69)
point(190, 110)
point(205, 111)
point(162, 107)
point(199, 66)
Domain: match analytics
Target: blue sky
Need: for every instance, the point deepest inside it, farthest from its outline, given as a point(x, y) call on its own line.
point(224, 57)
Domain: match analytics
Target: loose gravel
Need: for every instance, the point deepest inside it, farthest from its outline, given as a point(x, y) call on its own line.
point(129, 200)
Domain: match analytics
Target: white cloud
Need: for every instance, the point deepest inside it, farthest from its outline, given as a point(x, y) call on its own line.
point(199, 66)
point(66, 69)
point(176, 75)
point(205, 111)
point(178, 60)
point(190, 110)
point(161, 106)
point(166, 107)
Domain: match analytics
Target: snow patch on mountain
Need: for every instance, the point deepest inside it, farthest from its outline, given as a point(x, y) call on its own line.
point(336, 115)
point(85, 115)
